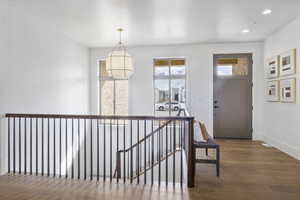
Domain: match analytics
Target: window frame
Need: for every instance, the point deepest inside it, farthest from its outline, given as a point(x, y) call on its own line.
point(107, 78)
point(170, 77)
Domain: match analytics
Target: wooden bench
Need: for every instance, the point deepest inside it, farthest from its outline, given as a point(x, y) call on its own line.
point(208, 144)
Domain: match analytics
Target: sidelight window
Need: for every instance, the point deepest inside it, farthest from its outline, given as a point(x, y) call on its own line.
point(113, 93)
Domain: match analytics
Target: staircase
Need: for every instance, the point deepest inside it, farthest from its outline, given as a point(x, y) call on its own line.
point(168, 137)
point(162, 158)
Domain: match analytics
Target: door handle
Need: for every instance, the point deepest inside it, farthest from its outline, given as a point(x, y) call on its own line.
point(216, 106)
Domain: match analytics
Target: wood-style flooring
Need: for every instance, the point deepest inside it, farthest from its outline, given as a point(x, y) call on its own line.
point(249, 171)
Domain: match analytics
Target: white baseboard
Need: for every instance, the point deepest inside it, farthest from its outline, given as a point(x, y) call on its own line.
point(257, 136)
point(294, 152)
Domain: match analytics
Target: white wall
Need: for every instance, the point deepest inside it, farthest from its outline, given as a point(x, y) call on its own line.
point(41, 71)
point(200, 78)
point(4, 37)
point(282, 119)
point(46, 71)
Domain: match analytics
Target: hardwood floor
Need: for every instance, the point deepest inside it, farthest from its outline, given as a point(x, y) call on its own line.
point(248, 171)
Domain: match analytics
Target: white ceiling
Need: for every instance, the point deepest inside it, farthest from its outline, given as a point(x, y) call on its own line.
point(94, 22)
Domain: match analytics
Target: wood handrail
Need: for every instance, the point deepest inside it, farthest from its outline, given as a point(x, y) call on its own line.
point(149, 135)
point(112, 117)
point(145, 138)
point(152, 133)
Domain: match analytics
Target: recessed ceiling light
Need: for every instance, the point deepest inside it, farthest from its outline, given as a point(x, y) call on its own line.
point(245, 31)
point(267, 12)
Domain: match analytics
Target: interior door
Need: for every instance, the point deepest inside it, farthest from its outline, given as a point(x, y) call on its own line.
point(233, 96)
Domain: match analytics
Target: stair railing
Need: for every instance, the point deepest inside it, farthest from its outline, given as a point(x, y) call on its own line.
point(170, 151)
point(84, 146)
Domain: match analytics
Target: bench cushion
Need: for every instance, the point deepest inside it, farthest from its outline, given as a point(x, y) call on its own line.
point(209, 144)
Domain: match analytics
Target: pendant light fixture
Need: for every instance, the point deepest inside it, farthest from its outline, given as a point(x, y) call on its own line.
point(119, 62)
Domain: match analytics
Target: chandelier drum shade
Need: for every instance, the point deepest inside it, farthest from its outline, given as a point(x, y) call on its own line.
point(119, 62)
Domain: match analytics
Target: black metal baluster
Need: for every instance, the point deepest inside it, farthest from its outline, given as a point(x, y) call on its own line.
point(78, 175)
point(124, 152)
point(167, 152)
point(60, 147)
point(162, 141)
point(25, 145)
point(184, 130)
point(54, 148)
point(171, 136)
point(179, 141)
point(66, 148)
point(14, 145)
point(159, 154)
point(145, 152)
point(138, 152)
point(42, 160)
point(104, 150)
point(30, 146)
point(140, 145)
point(20, 139)
point(98, 151)
point(118, 167)
point(157, 145)
point(84, 149)
point(110, 141)
point(131, 161)
point(174, 151)
point(37, 145)
point(48, 149)
point(149, 150)
point(181, 159)
point(91, 137)
point(128, 163)
point(8, 145)
point(152, 151)
point(72, 170)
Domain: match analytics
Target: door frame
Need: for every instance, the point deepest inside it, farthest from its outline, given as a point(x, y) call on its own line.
point(250, 74)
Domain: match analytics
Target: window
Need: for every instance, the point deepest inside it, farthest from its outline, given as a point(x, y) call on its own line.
point(169, 86)
point(232, 67)
point(113, 93)
point(224, 70)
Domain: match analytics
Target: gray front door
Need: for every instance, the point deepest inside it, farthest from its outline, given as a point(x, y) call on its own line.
point(233, 96)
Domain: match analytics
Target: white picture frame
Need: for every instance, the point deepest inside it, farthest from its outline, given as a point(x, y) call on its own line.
point(272, 67)
point(288, 90)
point(288, 63)
point(273, 91)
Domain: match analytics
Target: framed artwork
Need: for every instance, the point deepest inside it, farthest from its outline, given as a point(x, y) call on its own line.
point(273, 91)
point(273, 67)
point(288, 63)
point(288, 90)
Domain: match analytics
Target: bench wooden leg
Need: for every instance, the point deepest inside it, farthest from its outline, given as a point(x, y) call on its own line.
point(218, 161)
point(206, 150)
